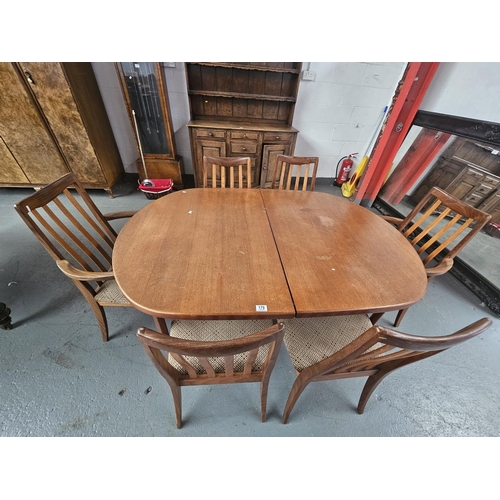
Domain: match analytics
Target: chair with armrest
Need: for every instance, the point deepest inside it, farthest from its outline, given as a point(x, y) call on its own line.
point(204, 353)
point(439, 233)
point(338, 347)
point(227, 172)
point(284, 172)
point(79, 238)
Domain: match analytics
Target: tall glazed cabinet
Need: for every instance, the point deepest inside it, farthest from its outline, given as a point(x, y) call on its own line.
point(242, 109)
point(53, 121)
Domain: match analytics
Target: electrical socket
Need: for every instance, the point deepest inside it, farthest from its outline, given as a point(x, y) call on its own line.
point(170, 65)
point(308, 75)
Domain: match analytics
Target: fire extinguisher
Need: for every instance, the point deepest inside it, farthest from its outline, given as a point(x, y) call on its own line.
point(342, 174)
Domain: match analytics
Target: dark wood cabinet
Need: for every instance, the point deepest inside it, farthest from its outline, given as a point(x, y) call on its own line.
point(53, 121)
point(242, 109)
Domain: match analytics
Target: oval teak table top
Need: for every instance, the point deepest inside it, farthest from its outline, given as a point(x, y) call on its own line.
point(240, 253)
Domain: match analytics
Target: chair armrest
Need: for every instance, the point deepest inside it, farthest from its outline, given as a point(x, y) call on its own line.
point(393, 220)
point(119, 215)
point(444, 266)
point(78, 274)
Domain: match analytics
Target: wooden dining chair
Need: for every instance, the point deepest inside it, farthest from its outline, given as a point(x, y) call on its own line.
point(227, 172)
point(438, 234)
point(288, 167)
point(206, 352)
point(79, 238)
point(337, 347)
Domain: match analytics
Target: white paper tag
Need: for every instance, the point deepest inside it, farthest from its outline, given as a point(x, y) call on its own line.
point(261, 308)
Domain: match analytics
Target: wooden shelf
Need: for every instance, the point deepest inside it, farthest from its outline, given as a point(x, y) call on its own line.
point(248, 67)
point(237, 95)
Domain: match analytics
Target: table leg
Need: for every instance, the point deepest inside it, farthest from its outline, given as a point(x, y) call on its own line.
point(161, 325)
point(375, 317)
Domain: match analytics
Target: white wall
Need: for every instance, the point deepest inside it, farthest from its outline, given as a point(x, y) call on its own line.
point(336, 114)
point(471, 90)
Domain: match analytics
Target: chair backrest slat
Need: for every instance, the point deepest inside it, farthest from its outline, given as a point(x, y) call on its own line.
point(103, 228)
point(76, 223)
point(243, 166)
point(50, 230)
point(229, 365)
point(284, 172)
point(78, 242)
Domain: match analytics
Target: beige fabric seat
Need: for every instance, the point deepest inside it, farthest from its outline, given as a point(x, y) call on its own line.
point(310, 340)
point(110, 293)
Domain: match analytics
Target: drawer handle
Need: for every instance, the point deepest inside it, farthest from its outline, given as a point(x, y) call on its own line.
point(244, 136)
point(244, 149)
point(277, 137)
point(210, 134)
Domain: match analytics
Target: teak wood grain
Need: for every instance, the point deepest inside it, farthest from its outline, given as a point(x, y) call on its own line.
point(340, 258)
point(218, 253)
point(202, 254)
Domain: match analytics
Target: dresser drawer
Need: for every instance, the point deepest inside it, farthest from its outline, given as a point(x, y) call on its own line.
point(483, 188)
point(277, 136)
point(474, 198)
point(492, 181)
point(248, 136)
point(243, 147)
point(211, 133)
point(473, 174)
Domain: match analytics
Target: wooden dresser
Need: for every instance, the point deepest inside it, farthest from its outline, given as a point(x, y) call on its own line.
point(53, 121)
point(242, 109)
point(470, 172)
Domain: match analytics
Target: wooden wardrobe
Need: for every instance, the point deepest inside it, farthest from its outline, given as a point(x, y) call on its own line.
point(53, 121)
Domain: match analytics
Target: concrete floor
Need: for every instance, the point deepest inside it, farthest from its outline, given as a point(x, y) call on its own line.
point(59, 379)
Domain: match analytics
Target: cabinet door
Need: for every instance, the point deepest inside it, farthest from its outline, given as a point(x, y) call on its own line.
point(269, 154)
point(441, 175)
point(24, 131)
point(206, 148)
point(53, 93)
point(492, 206)
point(10, 171)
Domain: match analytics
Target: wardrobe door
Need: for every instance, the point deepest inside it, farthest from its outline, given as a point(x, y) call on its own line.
point(25, 132)
point(53, 93)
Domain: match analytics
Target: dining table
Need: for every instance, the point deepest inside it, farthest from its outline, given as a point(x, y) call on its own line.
point(207, 253)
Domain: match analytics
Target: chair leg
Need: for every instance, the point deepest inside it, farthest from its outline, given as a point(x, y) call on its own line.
point(371, 384)
point(176, 394)
point(101, 319)
point(98, 310)
point(263, 398)
point(298, 386)
point(400, 316)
